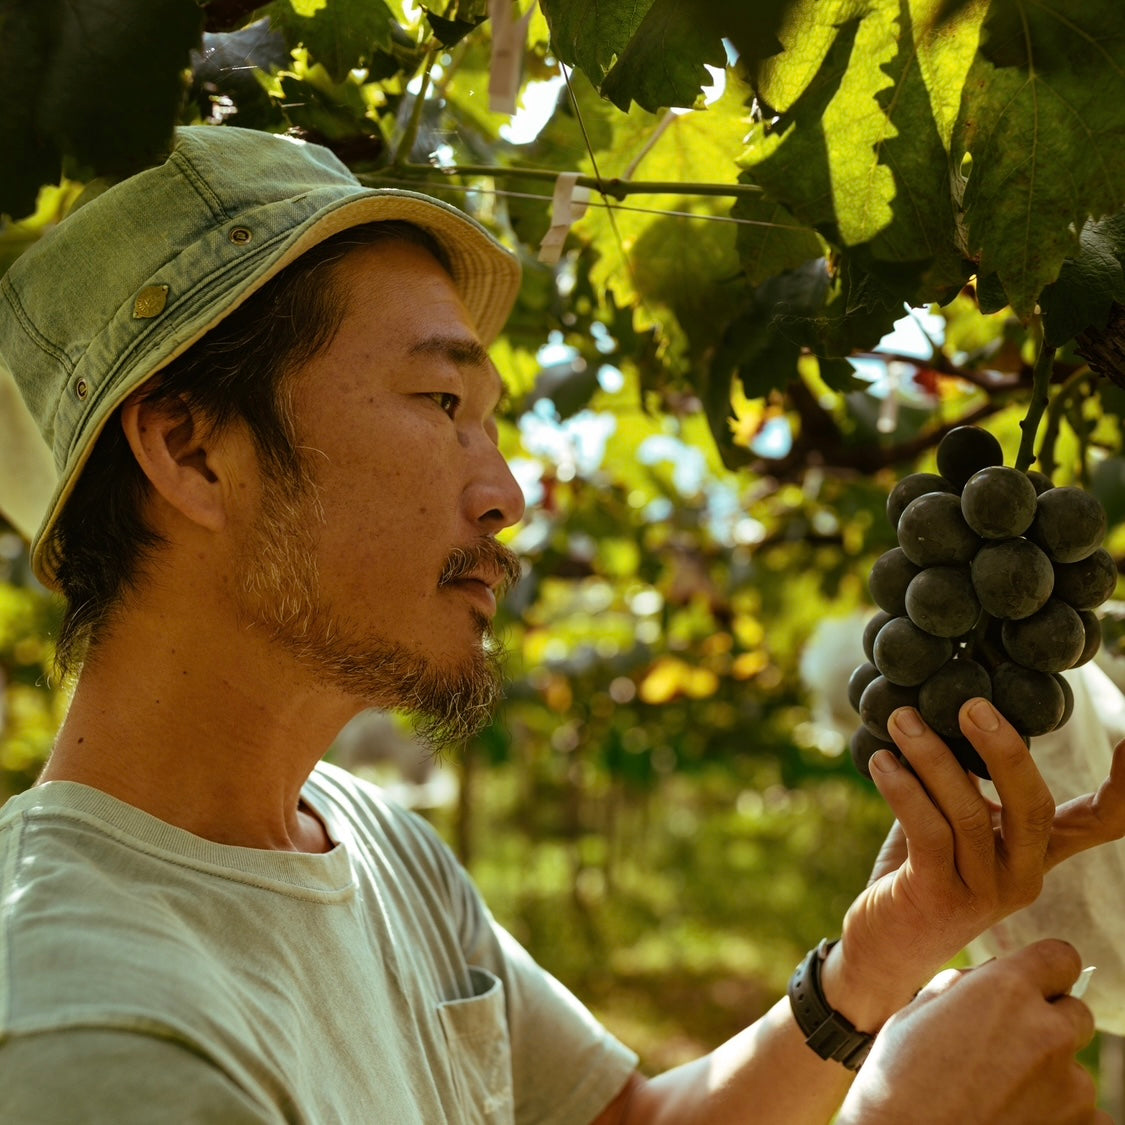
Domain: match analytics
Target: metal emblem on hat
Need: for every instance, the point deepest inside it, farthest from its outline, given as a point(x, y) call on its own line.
point(150, 302)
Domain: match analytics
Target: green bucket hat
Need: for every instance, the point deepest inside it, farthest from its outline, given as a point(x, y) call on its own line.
point(134, 277)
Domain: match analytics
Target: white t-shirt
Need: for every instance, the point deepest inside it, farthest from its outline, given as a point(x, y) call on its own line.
point(147, 974)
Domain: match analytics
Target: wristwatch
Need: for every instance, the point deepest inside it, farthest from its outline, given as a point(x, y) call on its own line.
point(828, 1033)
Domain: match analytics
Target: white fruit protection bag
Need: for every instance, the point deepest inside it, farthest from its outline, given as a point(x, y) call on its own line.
point(1083, 901)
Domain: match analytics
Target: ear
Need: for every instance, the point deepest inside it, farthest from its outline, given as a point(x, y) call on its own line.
point(182, 458)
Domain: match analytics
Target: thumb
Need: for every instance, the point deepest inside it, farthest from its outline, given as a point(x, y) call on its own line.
point(1051, 965)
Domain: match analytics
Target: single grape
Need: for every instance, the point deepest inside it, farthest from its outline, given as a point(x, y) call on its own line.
point(907, 655)
point(1012, 578)
point(871, 630)
point(1087, 583)
point(941, 600)
point(1068, 698)
point(910, 488)
point(1091, 637)
point(1069, 524)
point(1031, 701)
point(860, 678)
point(1040, 481)
point(966, 450)
point(879, 699)
point(968, 758)
point(998, 503)
point(933, 532)
point(890, 575)
point(941, 696)
point(863, 745)
point(1050, 640)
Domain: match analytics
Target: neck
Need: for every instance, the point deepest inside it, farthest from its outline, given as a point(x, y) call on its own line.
point(201, 723)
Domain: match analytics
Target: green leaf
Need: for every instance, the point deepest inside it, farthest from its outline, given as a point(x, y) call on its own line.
point(229, 65)
point(856, 150)
point(26, 34)
point(339, 34)
point(591, 34)
point(1088, 285)
point(770, 240)
point(662, 251)
point(1042, 120)
point(663, 63)
point(96, 85)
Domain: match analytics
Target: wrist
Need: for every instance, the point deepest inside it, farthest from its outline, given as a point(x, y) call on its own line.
point(866, 1000)
point(827, 1031)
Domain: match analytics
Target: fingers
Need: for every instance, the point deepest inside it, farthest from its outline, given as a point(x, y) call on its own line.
point(1051, 965)
point(925, 827)
point(1093, 819)
point(952, 791)
point(1027, 809)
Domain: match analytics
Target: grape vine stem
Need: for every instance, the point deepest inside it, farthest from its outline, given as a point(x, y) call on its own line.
point(1040, 380)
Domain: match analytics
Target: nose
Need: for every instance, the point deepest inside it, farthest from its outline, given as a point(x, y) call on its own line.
point(495, 497)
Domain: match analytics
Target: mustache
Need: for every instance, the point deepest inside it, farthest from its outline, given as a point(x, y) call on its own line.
point(488, 558)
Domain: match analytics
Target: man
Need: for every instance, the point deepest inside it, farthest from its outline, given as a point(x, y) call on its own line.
point(279, 490)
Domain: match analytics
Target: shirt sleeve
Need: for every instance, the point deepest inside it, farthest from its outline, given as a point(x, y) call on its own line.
point(93, 1076)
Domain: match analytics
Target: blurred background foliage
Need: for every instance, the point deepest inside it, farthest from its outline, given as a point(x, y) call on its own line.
point(801, 264)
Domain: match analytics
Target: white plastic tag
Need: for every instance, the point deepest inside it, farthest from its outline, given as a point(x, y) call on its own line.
point(567, 207)
point(508, 38)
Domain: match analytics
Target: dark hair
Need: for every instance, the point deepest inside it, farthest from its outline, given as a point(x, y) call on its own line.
point(241, 371)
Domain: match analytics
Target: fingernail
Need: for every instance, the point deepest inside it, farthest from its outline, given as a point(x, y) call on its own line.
point(907, 721)
point(884, 761)
point(984, 715)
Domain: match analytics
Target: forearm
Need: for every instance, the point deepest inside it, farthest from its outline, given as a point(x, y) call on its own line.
point(765, 1074)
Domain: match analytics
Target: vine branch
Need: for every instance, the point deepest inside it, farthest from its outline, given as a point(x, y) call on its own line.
point(616, 188)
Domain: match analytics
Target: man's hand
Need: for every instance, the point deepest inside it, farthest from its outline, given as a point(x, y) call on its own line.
point(955, 862)
point(991, 1046)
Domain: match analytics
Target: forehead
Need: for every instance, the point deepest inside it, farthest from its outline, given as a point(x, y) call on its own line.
point(401, 306)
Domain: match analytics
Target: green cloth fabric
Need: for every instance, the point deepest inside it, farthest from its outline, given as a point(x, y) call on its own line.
point(147, 974)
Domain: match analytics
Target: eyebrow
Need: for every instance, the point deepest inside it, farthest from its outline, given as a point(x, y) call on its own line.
point(465, 352)
point(461, 350)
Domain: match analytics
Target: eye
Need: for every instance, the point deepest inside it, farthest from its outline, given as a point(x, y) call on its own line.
point(446, 400)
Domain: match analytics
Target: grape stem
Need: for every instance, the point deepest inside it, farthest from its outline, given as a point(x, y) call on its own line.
point(1073, 385)
point(1040, 380)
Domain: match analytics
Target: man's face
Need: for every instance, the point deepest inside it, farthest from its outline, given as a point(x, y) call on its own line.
point(380, 577)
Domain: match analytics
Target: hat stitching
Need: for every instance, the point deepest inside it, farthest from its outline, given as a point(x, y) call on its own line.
point(198, 182)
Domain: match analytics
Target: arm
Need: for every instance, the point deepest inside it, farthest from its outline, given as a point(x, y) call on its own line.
point(953, 865)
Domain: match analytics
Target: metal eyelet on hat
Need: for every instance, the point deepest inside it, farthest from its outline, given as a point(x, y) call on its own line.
point(240, 235)
point(81, 388)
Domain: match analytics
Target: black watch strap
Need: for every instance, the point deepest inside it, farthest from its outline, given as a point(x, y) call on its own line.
point(827, 1032)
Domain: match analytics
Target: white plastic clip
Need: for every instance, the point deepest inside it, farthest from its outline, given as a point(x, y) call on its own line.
point(567, 207)
point(508, 38)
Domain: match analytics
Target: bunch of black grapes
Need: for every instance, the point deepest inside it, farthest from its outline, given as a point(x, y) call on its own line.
point(991, 592)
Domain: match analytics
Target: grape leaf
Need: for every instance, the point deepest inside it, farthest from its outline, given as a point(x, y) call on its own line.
point(25, 41)
point(339, 34)
point(675, 148)
point(227, 66)
point(663, 63)
point(591, 34)
point(1087, 285)
point(1042, 123)
point(770, 240)
point(54, 56)
point(855, 144)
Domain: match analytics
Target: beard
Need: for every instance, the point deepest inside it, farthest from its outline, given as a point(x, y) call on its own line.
point(279, 593)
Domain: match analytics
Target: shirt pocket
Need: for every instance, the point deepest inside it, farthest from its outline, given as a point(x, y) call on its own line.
point(480, 1054)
